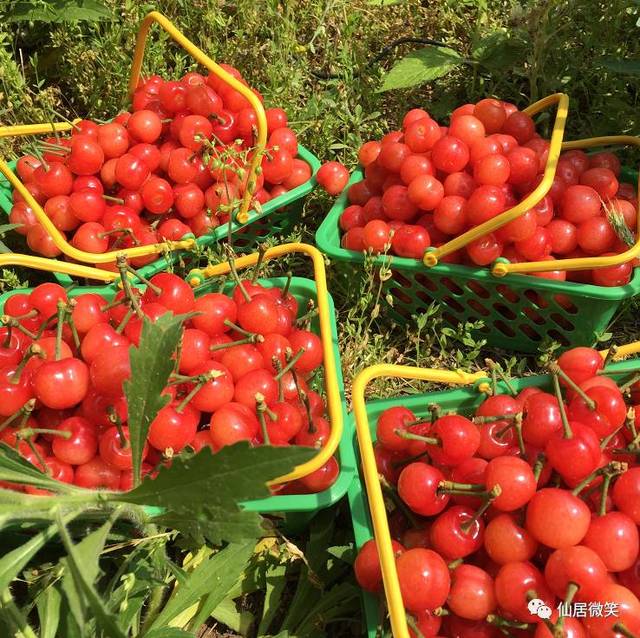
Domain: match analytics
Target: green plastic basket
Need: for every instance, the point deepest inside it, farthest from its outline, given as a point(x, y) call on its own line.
point(277, 218)
point(464, 400)
point(297, 509)
point(518, 312)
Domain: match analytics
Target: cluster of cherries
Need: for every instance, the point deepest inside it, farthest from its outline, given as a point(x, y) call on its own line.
point(243, 372)
point(535, 496)
point(177, 164)
point(427, 184)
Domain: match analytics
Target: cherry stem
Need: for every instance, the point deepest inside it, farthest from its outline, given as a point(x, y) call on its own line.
point(222, 284)
point(12, 322)
point(517, 424)
point(531, 594)
point(287, 284)
point(123, 267)
point(471, 489)
point(613, 468)
point(392, 492)
point(430, 440)
point(538, 466)
point(115, 304)
point(492, 495)
point(568, 434)
point(500, 372)
point(277, 366)
point(413, 625)
point(34, 350)
point(261, 408)
point(499, 621)
point(492, 419)
point(304, 399)
point(611, 354)
point(555, 369)
point(25, 433)
point(291, 361)
point(242, 331)
point(155, 289)
point(455, 563)
point(192, 393)
point(125, 320)
point(411, 459)
point(45, 468)
point(435, 411)
point(116, 231)
point(607, 439)
point(632, 381)
point(235, 276)
point(262, 249)
point(494, 381)
point(117, 200)
point(622, 629)
point(256, 338)
point(7, 340)
point(25, 411)
point(27, 315)
point(306, 318)
point(114, 417)
point(51, 146)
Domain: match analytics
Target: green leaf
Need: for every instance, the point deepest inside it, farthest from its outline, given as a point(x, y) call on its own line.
point(56, 11)
point(421, 66)
point(227, 614)
point(48, 605)
point(14, 562)
point(626, 67)
point(209, 582)
point(16, 469)
point(151, 365)
point(501, 49)
point(5, 228)
point(202, 492)
point(82, 579)
point(384, 3)
point(275, 585)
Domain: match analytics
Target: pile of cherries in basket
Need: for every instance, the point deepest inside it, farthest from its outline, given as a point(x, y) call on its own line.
point(521, 519)
point(243, 373)
point(426, 184)
point(176, 164)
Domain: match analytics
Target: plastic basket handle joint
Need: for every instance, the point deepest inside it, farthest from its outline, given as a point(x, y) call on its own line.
point(374, 492)
point(196, 277)
point(432, 256)
point(502, 268)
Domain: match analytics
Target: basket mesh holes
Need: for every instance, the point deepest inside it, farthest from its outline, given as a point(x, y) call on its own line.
point(504, 311)
point(401, 279)
point(533, 297)
point(474, 304)
point(453, 304)
point(504, 328)
point(565, 304)
point(427, 283)
point(507, 293)
point(403, 297)
point(534, 315)
point(423, 296)
point(558, 336)
point(529, 332)
point(452, 286)
point(564, 323)
point(450, 319)
point(479, 290)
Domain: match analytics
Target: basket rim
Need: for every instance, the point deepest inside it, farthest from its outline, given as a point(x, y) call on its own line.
point(325, 241)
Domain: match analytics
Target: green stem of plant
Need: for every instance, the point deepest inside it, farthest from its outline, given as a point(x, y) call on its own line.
point(539, 466)
point(430, 440)
point(262, 249)
point(391, 491)
point(256, 338)
point(235, 276)
point(495, 491)
point(238, 329)
point(556, 370)
point(155, 289)
point(632, 381)
point(261, 408)
point(12, 322)
point(500, 372)
point(287, 284)
point(21, 628)
point(492, 419)
point(413, 625)
point(622, 629)
point(26, 433)
point(115, 200)
point(123, 268)
point(196, 388)
point(291, 361)
point(33, 350)
point(568, 434)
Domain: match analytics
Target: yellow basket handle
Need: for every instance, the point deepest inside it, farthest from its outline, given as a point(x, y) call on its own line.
point(432, 256)
point(53, 265)
point(500, 269)
point(58, 237)
point(196, 53)
point(334, 402)
point(377, 509)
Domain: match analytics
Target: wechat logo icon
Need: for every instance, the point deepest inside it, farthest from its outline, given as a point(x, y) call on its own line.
point(539, 609)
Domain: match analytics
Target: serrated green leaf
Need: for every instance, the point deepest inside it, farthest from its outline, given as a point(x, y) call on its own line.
point(421, 66)
point(57, 11)
point(201, 493)
point(208, 582)
point(626, 67)
point(500, 49)
point(151, 365)
point(81, 576)
point(48, 606)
